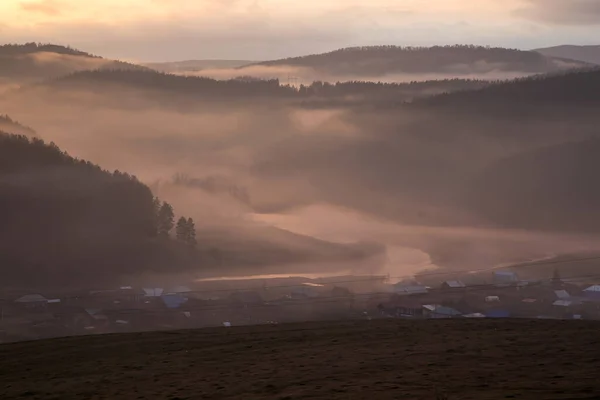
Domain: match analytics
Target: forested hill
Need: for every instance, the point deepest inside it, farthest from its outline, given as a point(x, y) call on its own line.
point(551, 188)
point(67, 221)
point(30, 48)
point(573, 89)
point(9, 125)
point(180, 90)
point(381, 60)
point(177, 84)
point(34, 62)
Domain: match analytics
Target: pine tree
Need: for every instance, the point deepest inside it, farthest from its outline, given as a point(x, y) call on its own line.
point(181, 231)
point(166, 219)
point(191, 233)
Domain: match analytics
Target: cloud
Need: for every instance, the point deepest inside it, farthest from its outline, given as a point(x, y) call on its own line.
point(565, 12)
point(47, 7)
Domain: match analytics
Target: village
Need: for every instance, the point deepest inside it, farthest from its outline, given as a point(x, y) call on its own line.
point(30, 316)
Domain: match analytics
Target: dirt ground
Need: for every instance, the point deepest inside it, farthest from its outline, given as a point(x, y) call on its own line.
point(386, 359)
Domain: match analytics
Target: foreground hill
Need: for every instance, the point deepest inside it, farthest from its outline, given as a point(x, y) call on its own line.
point(34, 62)
point(588, 54)
point(384, 359)
point(67, 221)
point(457, 60)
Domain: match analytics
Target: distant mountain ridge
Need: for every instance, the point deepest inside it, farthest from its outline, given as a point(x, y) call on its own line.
point(588, 54)
point(460, 59)
point(33, 62)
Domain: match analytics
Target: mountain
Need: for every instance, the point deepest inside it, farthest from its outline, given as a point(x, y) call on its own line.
point(577, 88)
point(587, 54)
point(33, 62)
point(188, 66)
point(552, 188)
point(454, 60)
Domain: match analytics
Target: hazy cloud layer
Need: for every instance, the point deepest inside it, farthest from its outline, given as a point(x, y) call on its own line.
point(569, 12)
point(156, 30)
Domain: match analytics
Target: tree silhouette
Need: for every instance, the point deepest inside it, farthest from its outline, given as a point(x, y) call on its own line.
point(166, 219)
point(181, 231)
point(191, 232)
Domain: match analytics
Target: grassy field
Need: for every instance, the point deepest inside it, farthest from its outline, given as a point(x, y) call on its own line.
point(458, 359)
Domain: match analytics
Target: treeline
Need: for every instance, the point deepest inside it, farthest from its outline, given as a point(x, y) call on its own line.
point(68, 221)
point(387, 59)
point(244, 87)
point(32, 47)
point(576, 88)
point(9, 125)
point(186, 85)
point(365, 88)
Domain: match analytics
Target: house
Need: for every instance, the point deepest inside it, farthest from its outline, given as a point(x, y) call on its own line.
point(504, 278)
point(474, 315)
point(437, 311)
point(409, 289)
point(304, 291)
point(453, 285)
point(592, 292)
point(173, 301)
point(153, 292)
point(562, 294)
point(179, 290)
point(32, 301)
point(492, 299)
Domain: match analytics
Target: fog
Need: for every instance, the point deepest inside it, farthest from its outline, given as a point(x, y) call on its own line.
point(332, 174)
point(305, 76)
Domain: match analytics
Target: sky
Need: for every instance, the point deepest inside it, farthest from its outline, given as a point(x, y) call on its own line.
point(170, 30)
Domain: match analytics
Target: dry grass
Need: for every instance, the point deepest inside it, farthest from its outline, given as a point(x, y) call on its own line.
point(450, 360)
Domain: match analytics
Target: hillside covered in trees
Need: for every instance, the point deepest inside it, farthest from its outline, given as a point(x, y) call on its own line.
point(550, 188)
point(67, 220)
point(130, 86)
point(460, 60)
point(9, 125)
point(32, 62)
point(578, 88)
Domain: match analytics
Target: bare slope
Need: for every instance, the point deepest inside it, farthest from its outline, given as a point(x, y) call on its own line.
point(350, 360)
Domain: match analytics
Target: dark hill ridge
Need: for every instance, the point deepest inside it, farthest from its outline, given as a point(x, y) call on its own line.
point(463, 59)
point(33, 62)
point(107, 81)
point(573, 88)
point(30, 48)
point(549, 188)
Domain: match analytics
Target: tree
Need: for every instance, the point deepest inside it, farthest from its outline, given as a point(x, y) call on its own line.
point(166, 219)
point(181, 231)
point(191, 233)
